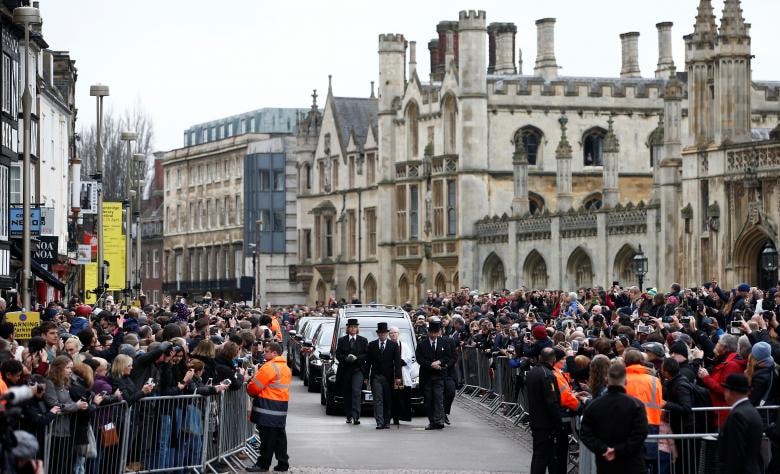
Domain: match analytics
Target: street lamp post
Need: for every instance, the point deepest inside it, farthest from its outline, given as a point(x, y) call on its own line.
point(140, 161)
point(129, 137)
point(26, 16)
point(254, 272)
point(640, 266)
point(99, 91)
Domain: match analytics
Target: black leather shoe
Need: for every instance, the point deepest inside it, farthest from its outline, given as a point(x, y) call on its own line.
point(434, 427)
point(396, 423)
point(281, 469)
point(446, 419)
point(386, 427)
point(256, 469)
point(349, 420)
point(430, 427)
point(380, 427)
point(356, 422)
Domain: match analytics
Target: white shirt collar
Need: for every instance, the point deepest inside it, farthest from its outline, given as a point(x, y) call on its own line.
point(739, 401)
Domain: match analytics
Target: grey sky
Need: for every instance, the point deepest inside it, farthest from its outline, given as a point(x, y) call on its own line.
point(190, 61)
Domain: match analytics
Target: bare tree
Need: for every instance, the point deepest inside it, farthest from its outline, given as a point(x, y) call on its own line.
point(115, 164)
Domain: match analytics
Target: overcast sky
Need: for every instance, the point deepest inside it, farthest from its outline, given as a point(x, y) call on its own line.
point(191, 61)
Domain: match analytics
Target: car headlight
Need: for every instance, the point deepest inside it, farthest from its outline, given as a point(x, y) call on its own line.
point(316, 362)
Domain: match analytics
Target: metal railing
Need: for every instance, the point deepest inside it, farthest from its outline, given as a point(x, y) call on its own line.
point(493, 385)
point(155, 434)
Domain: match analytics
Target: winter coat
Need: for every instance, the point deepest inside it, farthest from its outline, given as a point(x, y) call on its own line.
point(60, 396)
point(599, 431)
point(678, 395)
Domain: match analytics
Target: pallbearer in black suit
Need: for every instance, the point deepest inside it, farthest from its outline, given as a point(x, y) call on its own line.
point(383, 368)
point(351, 354)
point(434, 356)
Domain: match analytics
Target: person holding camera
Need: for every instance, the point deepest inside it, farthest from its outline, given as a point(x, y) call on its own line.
point(351, 352)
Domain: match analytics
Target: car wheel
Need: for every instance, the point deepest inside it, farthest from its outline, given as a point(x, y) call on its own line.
point(330, 406)
point(309, 382)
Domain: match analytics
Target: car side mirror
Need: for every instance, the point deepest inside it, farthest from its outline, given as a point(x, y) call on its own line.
point(292, 332)
point(307, 344)
point(325, 356)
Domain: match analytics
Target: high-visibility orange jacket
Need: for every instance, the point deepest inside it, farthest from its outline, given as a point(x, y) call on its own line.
point(276, 328)
point(270, 392)
point(647, 389)
point(568, 400)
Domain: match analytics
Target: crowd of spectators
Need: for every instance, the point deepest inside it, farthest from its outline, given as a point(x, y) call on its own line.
point(688, 339)
point(81, 361)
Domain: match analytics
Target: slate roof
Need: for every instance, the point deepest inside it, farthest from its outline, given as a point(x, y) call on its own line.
point(354, 115)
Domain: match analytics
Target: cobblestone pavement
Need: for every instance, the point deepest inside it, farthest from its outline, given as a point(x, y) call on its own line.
point(475, 443)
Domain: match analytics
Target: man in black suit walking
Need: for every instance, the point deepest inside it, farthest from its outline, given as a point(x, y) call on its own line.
point(383, 367)
point(351, 354)
point(739, 441)
point(434, 357)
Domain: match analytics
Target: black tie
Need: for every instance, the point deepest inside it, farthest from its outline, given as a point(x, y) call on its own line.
point(382, 347)
point(352, 343)
point(433, 344)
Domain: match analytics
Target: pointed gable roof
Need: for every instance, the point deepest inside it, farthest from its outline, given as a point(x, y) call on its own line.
point(354, 116)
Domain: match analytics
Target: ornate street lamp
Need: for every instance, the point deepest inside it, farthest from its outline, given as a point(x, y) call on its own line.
point(640, 266)
point(769, 258)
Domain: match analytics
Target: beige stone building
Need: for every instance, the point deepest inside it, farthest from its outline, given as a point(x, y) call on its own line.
point(203, 232)
point(486, 177)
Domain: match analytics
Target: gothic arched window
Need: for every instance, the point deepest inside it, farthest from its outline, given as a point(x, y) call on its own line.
point(530, 138)
point(593, 147)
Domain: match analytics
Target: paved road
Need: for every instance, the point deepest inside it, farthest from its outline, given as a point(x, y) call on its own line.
point(325, 444)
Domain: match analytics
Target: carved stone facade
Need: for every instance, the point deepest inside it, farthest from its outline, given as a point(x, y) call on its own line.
point(581, 170)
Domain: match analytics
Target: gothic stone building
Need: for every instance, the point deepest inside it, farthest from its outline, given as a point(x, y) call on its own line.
point(488, 178)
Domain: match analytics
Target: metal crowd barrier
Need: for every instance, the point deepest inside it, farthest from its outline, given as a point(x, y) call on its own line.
point(155, 434)
point(685, 453)
point(84, 442)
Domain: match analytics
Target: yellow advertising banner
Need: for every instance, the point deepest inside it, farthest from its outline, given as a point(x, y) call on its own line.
point(23, 322)
point(90, 282)
point(114, 248)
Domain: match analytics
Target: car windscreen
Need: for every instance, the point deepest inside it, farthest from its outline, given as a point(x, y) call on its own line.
point(311, 328)
point(325, 336)
point(368, 329)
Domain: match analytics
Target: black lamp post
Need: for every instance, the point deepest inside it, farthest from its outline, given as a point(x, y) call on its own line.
point(640, 266)
point(769, 258)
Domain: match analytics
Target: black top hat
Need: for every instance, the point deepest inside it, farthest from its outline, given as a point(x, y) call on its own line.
point(382, 327)
point(434, 325)
point(737, 383)
point(352, 322)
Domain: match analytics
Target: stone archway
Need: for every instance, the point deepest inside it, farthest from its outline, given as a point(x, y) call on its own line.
point(322, 292)
point(351, 289)
point(535, 271)
point(403, 289)
point(440, 283)
point(747, 254)
point(493, 275)
point(369, 289)
point(579, 269)
point(623, 269)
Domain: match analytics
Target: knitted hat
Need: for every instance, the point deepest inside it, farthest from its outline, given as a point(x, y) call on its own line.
point(679, 347)
point(743, 288)
point(762, 350)
point(539, 332)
